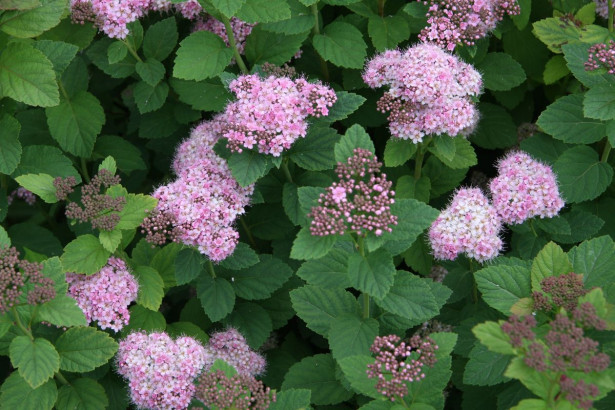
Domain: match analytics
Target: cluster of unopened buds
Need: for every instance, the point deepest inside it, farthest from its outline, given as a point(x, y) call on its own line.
point(231, 346)
point(240, 391)
point(199, 208)
point(360, 202)
point(23, 194)
point(601, 55)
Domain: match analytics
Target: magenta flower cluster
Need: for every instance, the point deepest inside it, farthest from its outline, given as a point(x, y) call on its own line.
point(241, 30)
point(271, 114)
point(204, 201)
point(524, 188)
point(160, 370)
point(104, 297)
point(394, 366)
point(470, 225)
point(23, 194)
point(430, 91)
point(601, 55)
point(453, 22)
point(360, 202)
point(232, 347)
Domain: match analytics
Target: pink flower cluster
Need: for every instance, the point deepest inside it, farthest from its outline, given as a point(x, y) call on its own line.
point(110, 16)
point(232, 347)
point(602, 8)
point(241, 30)
point(452, 22)
point(160, 371)
point(23, 194)
point(601, 56)
point(205, 199)
point(469, 224)
point(360, 202)
point(104, 297)
point(524, 188)
point(271, 113)
point(429, 92)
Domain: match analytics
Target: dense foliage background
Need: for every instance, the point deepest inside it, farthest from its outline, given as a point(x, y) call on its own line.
point(75, 101)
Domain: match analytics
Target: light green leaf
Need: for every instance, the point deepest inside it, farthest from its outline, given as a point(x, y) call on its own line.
point(387, 32)
point(501, 72)
point(5, 241)
point(83, 394)
point(39, 184)
point(292, 399)
point(216, 295)
point(355, 371)
point(555, 32)
point(315, 151)
point(84, 255)
point(464, 154)
point(16, 393)
point(445, 146)
point(411, 298)
point(228, 7)
point(135, 210)
point(252, 321)
point(581, 175)
point(350, 335)
point(355, 137)
point(62, 311)
point(537, 382)
point(34, 21)
point(342, 44)
point(491, 335)
point(555, 69)
point(110, 240)
point(264, 11)
point(82, 349)
point(248, 166)
point(10, 147)
point(37, 360)
point(151, 287)
point(160, 39)
point(108, 164)
point(301, 20)
point(397, 152)
point(550, 261)
point(503, 286)
point(307, 246)
point(201, 55)
point(372, 274)
point(261, 280)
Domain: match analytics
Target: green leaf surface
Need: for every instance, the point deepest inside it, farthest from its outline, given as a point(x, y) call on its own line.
point(307, 246)
point(10, 147)
point(550, 261)
point(330, 271)
point(217, 297)
point(45, 159)
point(346, 104)
point(150, 98)
point(206, 95)
point(373, 273)
point(491, 335)
point(62, 311)
point(464, 154)
point(581, 175)
point(248, 166)
point(242, 257)
point(342, 44)
point(160, 39)
point(315, 151)
point(264, 11)
point(16, 393)
point(110, 240)
point(84, 255)
point(355, 137)
point(555, 69)
point(58, 52)
point(387, 32)
point(503, 286)
point(135, 210)
point(413, 217)
point(264, 46)
point(252, 321)
point(151, 71)
point(201, 55)
point(350, 335)
point(261, 280)
point(595, 259)
point(354, 369)
point(33, 21)
point(411, 298)
point(496, 129)
point(409, 187)
point(116, 52)
point(500, 72)
point(39, 184)
point(555, 32)
point(292, 399)
point(485, 368)
point(37, 360)
point(576, 54)
point(188, 266)
point(151, 287)
point(301, 20)
point(397, 152)
point(82, 349)
point(126, 155)
point(83, 394)
point(599, 103)
point(144, 319)
point(228, 7)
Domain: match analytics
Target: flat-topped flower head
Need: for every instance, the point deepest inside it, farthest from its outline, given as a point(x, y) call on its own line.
point(453, 22)
point(360, 202)
point(241, 30)
point(109, 16)
point(524, 188)
point(241, 391)
point(105, 296)
point(160, 371)
point(468, 225)
point(271, 114)
point(430, 91)
point(232, 347)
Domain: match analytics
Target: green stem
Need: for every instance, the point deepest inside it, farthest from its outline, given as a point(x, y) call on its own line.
point(62, 379)
point(418, 162)
point(366, 300)
point(132, 50)
point(550, 395)
point(210, 268)
point(20, 325)
point(233, 44)
point(286, 171)
point(316, 30)
point(610, 22)
point(381, 7)
point(84, 170)
point(606, 151)
point(248, 232)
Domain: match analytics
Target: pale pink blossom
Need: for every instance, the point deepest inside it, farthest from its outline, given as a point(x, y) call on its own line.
point(241, 30)
point(231, 346)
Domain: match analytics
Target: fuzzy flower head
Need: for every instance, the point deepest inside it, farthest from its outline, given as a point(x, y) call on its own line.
point(241, 30)
point(360, 202)
point(109, 16)
point(104, 297)
point(160, 371)
point(601, 55)
point(241, 391)
point(602, 8)
point(453, 22)
point(232, 347)
point(524, 188)
point(398, 362)
point(271, 114)
point(468, 225)
point(430, 91)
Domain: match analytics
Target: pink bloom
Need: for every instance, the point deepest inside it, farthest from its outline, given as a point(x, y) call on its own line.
point(22, 193)
point(232, 347)
point(524, 188)
point(189, 9)
point(601, 56)
point(241, 30)
point(110, 16)
point(468, 225)
point(429, 91)
point(602, 8)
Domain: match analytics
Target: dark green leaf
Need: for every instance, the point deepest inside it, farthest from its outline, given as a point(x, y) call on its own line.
point(503, 286)
point(83, 393)
point(201, 55)
point(84, 255)
point(252, 321)
point(500, 72)
point(581, 175)
point(82, 349)
point(342, 44)
point(17, 394)
point(37, 360)
point(216, 295)
point(160, 39)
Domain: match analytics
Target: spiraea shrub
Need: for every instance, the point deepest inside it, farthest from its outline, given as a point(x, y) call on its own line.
point(307, 204)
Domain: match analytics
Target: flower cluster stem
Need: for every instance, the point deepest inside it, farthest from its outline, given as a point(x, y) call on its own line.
point(60, 377)
point(210, 268)
point(286, 171)
point(316, 30)
point(84, 170)
point(20, 325)
point(233, 44)
point(381, 7)
point(132, 51)
point(606, 151)
point(610, 21)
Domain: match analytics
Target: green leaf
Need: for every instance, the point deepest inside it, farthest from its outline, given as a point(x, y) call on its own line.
point(32, 22)
point(242, 257)
point(10, 147)
point(39, 184)
point(84, 255)
point(539, 383)
point(292, 207)
point(485, 368)
point(522, 18)
point(501, 72)
point(116, 52)
point(179, 329)
point(45, 159)
point(228, 7)
point(581, 175)
point(307, 246)
point(5, 241)
point(413, 218)
point(216, 295)
point(150, 98)
point(411, 298)
point(595, 259)
point(201, 55)
point(586, 225)
point(19, 4)
point(261, 280)
point(445, 146)
point(264, 11)
point(264, 46)
point(252, 321)
point(292, 399)
point(354, 369)
point(555, 69)
point(565, 121)
point(248, 166)
point(576, 54)
point(97, 52)
point(151, 287)
point(27, 76)
point(37, 360)
point(151, 71)
point(599, 103)
point(372, 274)
point(62, 311)
point(550, 261)
point(83, 393)
point(491, 335)
point(110, 240)
point(355, 137)
point(188, 266)
point(330, 271)
point(555, 32)
point(496, 128)
point(387, 32)
point(409, 187)
point(75, 123)
point(160, 39)
point(397, 152)
point(16, 393)
point(317, 373)
point(82, 349)
point(315, 151)
point(108, 164)
point(503, 286)
point(207, 95)
point(135, 210)
point(319, 307)
point(59, 53)
point(127, 156)
point(144, 319)
point(346, 104)
point(464, 154)
point(342, 44)
point(350, 335)
point(301, 20)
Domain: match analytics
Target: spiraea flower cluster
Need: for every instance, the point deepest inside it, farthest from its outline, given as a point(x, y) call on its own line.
point(241, 391)
point(469, 225)
point(398, 362)
point(602, 8)
point(109, 16)
point(601, 55)
point(524, 188)
point(271, 114)
point(450, 23)
point(201, 205)
point(241, 30)
point(160, 370)
point(559, 291)
point(360, 202)
point(232, 347)
point(17, 275)
point(430, 91)
point(23, 194)
point(105, 296)
point(98, 208)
